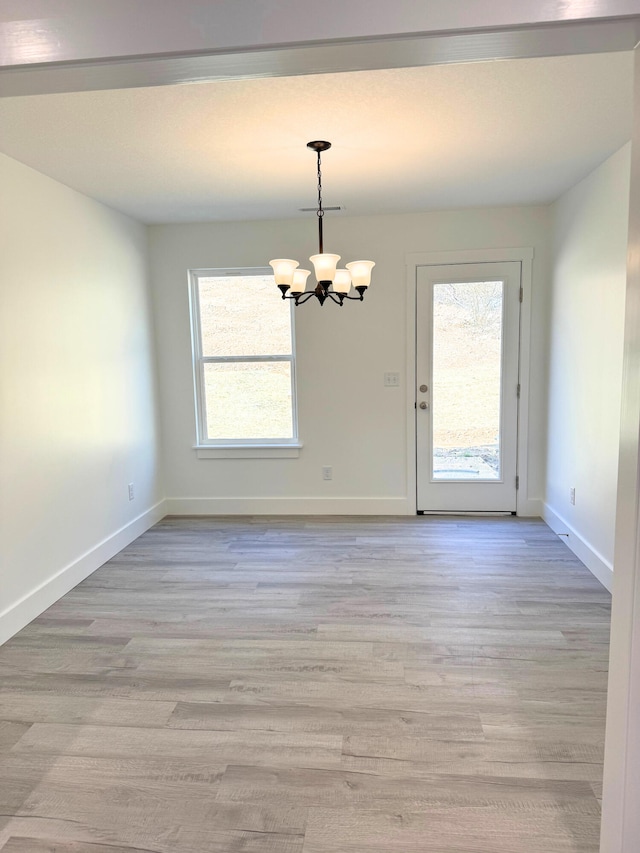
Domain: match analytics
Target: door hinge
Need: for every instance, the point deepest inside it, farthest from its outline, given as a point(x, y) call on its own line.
point(518, 391)
point(521, 293)
point(517, 482)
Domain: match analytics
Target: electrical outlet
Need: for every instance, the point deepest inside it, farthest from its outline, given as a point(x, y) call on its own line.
point(572, 497)
point(391, 380)
point(131, 495)
point(327, 472)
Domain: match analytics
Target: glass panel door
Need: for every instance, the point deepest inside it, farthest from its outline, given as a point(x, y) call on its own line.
point(467, 342)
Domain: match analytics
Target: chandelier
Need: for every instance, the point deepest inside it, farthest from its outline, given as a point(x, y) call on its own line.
point(333, 283)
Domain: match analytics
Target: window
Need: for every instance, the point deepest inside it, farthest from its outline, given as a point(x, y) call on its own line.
point(244, 367)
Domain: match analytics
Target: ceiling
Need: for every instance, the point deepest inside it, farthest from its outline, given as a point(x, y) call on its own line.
point(447, 136)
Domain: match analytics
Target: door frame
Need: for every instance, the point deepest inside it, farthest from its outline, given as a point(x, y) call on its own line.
point(525, 504)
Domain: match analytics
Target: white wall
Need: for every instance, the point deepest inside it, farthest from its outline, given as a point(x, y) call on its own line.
point(77, 401)
point(347, 418)
point(590, 225)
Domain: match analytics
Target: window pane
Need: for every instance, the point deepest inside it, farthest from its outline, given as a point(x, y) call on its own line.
point(467, 363)
point(243, 315)
point(248, 400)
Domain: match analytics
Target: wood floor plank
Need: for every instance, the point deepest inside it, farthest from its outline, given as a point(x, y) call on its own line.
point(120, 684)
point(312, 685)
point(17, 844)
point(449, 831)
point(253, 747)
point(182, 839)
point(48, 708)
point(220, 716)
point(406, 784)
point(518, 759)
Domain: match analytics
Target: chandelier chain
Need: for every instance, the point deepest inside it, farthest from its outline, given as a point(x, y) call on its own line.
point(320, 211)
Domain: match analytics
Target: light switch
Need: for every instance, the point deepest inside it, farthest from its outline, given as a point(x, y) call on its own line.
point(391, 380)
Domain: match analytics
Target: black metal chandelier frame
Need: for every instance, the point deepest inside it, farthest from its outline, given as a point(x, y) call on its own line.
point(321, 290)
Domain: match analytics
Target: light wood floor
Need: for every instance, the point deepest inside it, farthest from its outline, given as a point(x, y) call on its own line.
point(409, 685)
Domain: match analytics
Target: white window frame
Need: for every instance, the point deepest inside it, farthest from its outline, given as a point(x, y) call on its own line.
point(209, 448)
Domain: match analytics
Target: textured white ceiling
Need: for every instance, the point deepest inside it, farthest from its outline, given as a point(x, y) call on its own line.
point(481, 134)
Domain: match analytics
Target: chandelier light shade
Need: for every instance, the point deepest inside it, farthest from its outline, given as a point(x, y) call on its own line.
point(332, 283)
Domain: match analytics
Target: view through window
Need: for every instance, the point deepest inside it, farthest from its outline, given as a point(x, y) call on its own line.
point(243, 358)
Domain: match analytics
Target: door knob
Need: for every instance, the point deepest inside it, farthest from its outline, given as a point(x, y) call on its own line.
point(424, 405)
point(424, 388)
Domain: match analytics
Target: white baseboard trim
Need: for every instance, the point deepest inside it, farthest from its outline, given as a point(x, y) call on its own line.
point(287, 506)
point(593, 560)
point(530, 508)
point(19, 614)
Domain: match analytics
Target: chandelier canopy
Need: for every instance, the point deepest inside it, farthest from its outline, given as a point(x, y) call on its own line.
point(333, 283)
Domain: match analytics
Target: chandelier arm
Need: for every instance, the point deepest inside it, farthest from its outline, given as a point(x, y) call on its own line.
point(356, 298)
point(308, 294)
point(336, 297)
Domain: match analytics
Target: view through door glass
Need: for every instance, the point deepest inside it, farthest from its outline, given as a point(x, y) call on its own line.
point(467, 367)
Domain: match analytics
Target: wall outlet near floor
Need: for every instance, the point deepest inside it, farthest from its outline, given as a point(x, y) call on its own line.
point(572, 497)
point(327, 472)
point(131, 494)
point(392, 380)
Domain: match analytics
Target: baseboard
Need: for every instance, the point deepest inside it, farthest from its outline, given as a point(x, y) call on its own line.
point(15, 617)
point(530, 508)
point(594, 561)
point(287, 506)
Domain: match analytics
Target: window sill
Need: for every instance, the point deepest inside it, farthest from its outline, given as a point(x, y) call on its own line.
point(248, 451)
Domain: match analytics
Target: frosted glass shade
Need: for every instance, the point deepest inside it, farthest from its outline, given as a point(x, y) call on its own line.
point(325, 266)
point(300, 280)
point(283, 270)
point(342, 281)
point(361, 272)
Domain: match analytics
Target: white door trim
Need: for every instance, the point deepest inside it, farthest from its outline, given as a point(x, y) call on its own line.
point(525, 504)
